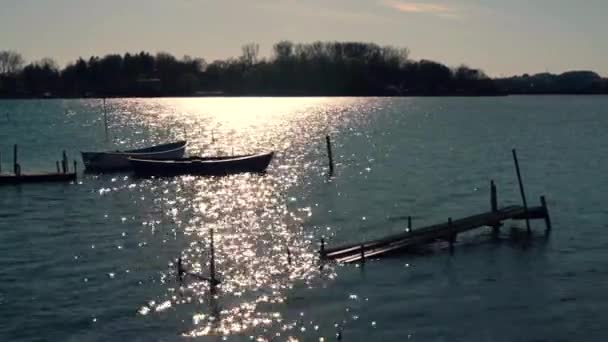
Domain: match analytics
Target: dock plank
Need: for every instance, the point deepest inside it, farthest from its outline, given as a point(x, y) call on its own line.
point(7, 179)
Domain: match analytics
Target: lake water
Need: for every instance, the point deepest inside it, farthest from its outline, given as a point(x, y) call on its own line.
point(94, 261)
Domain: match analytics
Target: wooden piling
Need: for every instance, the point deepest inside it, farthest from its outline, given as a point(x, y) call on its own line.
point(493, 197)
point(521, 190)
point(330, 155)
point(494, 205)
point(15, 159)
point(0, 162)
point(543, 202)
point(322, 250)
point(64, 162)
point(212, 278)
point(57, 165)
point(288, 256)
point(409, 224)
point(75, 164)
point(452, 235)
point(105, 118)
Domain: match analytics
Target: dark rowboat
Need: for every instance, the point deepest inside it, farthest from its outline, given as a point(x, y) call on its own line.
point(6, 179)
point(119, 160)
point(202, 165)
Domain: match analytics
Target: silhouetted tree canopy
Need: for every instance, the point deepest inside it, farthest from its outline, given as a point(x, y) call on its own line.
point(318, 68)
point(572, 82)
point(11, 62)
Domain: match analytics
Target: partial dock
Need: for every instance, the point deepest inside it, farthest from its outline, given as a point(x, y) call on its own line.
point(63, 174)
point(6, 179)
point(447, 231)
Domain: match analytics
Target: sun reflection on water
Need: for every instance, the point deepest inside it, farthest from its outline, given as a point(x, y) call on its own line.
point(262, 245)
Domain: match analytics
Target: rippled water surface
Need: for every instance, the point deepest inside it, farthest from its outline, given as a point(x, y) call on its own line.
point(96, 260)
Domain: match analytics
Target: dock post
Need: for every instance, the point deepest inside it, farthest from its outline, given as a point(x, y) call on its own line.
point(409, 224)
point(322, 250)
point(493, 197)
point(212, 279)
point(64, 162)
point(521, 190)
point(543, 202)
point(75, 163)
point(452, 237)
point(330, 155)
point(105, 117)
point(15, 158)
point(288, 256)
point(494, 204)
point(362, 255)
point(57, 165)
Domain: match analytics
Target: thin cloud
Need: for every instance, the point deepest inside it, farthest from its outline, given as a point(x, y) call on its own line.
point(333, 14)
point(439, 10)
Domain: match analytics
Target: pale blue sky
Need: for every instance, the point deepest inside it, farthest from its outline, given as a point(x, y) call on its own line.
point(501, 37)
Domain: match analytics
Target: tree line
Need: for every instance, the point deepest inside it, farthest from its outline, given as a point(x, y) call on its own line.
point(319, 68)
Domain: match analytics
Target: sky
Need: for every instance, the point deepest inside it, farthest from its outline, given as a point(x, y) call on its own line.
point(501, 37)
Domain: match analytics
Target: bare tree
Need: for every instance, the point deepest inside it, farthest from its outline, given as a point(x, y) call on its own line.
point(48, 63)
point(10, 62)
point(250, 53)
point(283, 50)
point(199, 64)
point(396, 56)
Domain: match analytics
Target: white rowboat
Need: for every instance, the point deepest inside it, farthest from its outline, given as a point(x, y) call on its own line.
point(119, 160)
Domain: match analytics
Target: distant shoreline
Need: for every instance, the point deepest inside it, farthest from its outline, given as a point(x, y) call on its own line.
point(329, 69)
point(296, 96)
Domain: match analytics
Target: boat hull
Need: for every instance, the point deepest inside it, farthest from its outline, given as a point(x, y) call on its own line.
point(119, 160)
point(210, 166)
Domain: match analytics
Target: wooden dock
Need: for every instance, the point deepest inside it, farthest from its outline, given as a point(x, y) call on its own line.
point(446, 231)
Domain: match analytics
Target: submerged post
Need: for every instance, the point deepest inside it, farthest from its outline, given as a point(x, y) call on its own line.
point(452, 236)
point(521, 190)
point(64, 162)
point(494, 204)
point(493, 197)
point(409, 224)
point(288, 256)
point(322, 250)
point(105, 117)
point(212, 278)
point(543, 202)
point(15, 159)
point(330, 155)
